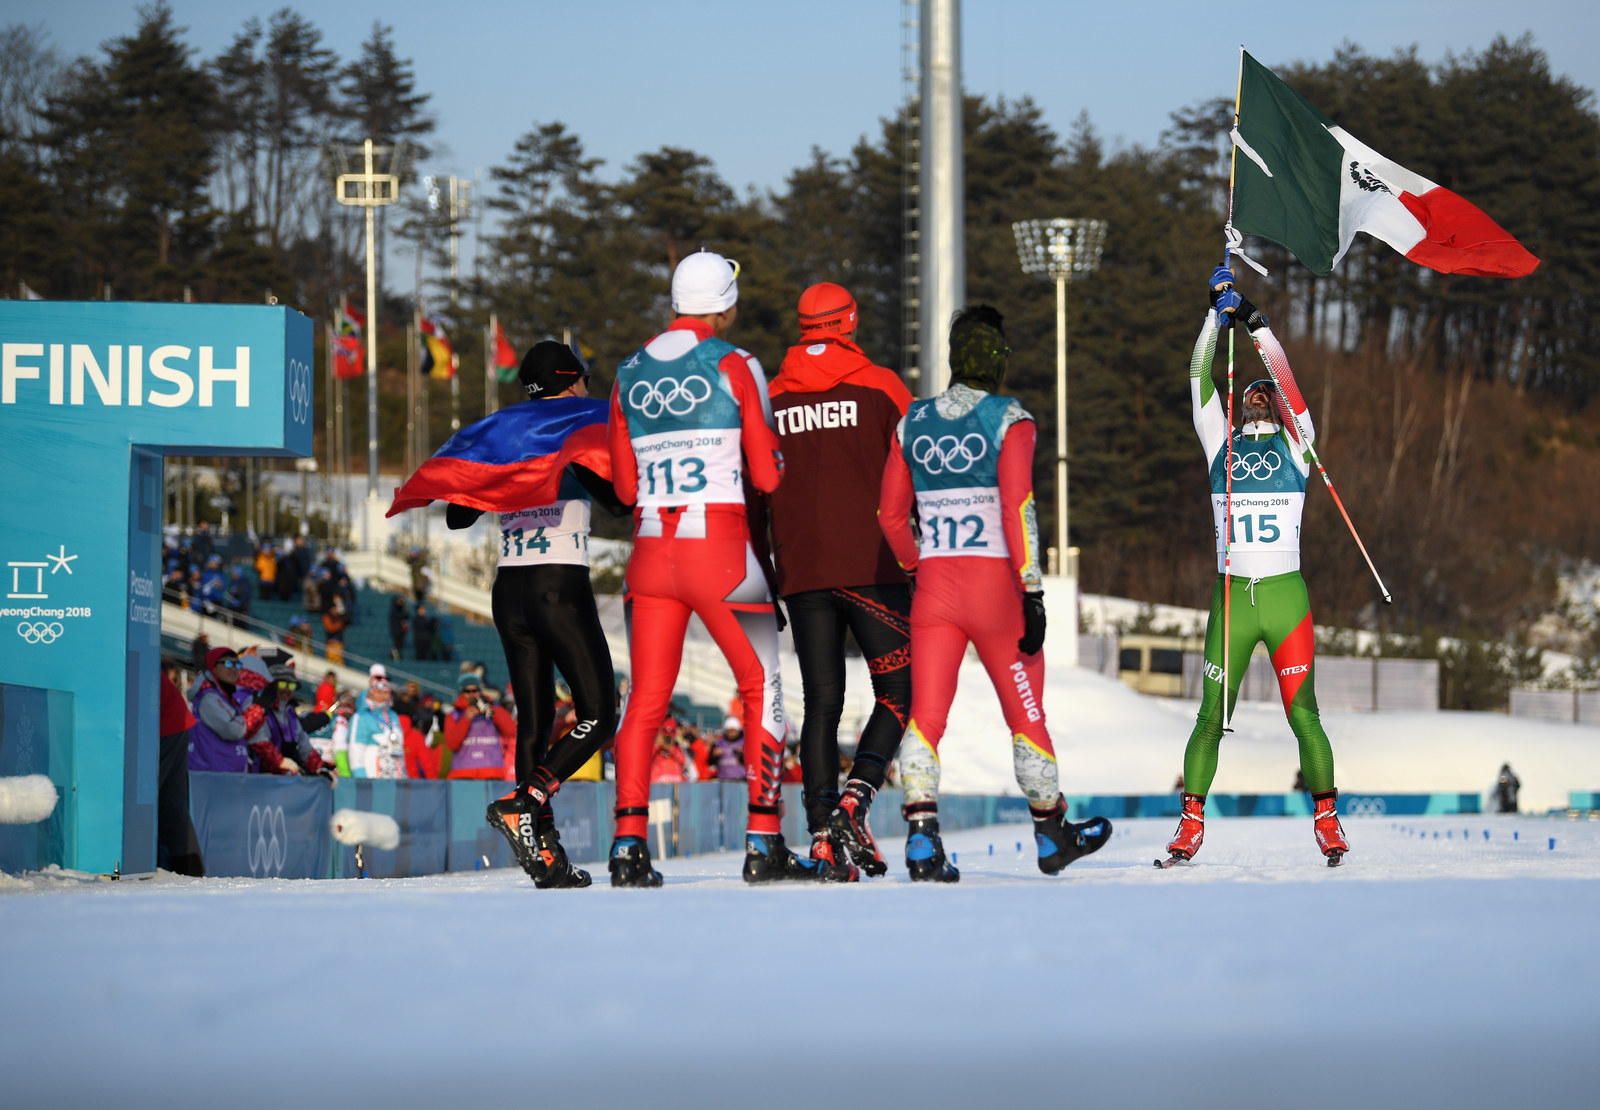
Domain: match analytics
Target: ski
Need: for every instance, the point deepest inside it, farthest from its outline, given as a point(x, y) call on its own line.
point(1170, 861)
point(1335, 859)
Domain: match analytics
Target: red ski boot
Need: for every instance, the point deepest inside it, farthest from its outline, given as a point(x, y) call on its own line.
point(1191, 831)
point(1330, 834)
point(832, 859)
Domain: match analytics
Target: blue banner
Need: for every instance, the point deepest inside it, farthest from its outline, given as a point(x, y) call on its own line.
point(36, 739)
point(262, 826)
point(421, 807)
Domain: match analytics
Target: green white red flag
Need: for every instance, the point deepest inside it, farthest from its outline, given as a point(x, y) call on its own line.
point(1303, 181)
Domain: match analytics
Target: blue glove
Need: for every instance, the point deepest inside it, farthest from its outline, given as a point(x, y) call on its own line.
point(1224, 298)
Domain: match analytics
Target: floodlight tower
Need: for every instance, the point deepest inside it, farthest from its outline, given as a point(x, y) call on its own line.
point(370, 190)
point(1063, 250)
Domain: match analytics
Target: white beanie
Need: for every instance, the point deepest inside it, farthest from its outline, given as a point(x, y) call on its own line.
point(705, 283)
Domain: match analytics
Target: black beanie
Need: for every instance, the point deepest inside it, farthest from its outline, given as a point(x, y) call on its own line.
point(549, 368)
point(978, 346)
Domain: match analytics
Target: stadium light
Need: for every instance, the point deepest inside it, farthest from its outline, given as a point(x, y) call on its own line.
point(1062, 250)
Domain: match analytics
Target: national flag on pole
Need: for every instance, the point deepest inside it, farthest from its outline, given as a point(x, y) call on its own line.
point(512, 459)
point(438, 356)
point(349, 353)
point(505, 356)
point(1303, 181)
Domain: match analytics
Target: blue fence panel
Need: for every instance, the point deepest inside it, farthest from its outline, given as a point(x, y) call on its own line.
point(265, 826)
point(422, 809)
point(699, 818)
point(1583, 799)
point(585, 820)
point(735, 815)
point(36, 739)
point(471, 839)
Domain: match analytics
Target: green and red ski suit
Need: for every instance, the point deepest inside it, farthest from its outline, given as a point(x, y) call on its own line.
point(1268, 601)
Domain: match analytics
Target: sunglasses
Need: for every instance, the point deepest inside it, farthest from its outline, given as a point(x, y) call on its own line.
point(471, 690)
point(228, 663)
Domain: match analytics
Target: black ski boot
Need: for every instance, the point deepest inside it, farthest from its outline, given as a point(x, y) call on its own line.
point(515, 817)
point(767, 859)
point(1060, 841)
point(925, 852)
point(630, 863)
point(559, 873)
point(848, 824)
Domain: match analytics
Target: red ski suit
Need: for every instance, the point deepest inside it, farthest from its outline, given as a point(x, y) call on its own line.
point(968, 598)
point(692, 550)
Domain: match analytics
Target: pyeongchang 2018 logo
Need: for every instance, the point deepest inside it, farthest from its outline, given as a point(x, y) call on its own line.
point(266, 841)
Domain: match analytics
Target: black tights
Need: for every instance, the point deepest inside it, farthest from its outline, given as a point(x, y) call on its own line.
point(880, 619)
point(547, 621)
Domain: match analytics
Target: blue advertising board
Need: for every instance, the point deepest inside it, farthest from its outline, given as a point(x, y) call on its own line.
point(264, 826)
point(93, 397)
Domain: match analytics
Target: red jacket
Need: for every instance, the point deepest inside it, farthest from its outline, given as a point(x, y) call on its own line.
point(836, 414)
point(175, 715)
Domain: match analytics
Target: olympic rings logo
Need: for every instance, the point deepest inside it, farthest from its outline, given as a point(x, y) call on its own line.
point(1365, 807)
point(1256, 464)
point(40, 633)
point(669, 396)
point(267, 840)
point(948, 453)
point(299, 390)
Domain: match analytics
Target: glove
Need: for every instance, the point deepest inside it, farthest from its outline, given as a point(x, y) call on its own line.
point(265, 697)
point(1253, 317)
point(311, 722)
point(326, 771)
point(1032, 623)
point(783, 621)
point(1221, 279)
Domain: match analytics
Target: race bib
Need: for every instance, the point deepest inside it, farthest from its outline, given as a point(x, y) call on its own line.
point(1262, 522)
point(555, 533)
point(693, 467)
point(961, 522)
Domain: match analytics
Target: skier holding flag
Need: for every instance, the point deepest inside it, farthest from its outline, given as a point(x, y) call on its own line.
point(538, 464)
point(1259, 594)
point(965, 459)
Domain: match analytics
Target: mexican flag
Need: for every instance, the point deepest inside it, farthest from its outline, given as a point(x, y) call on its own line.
point(1303, 181)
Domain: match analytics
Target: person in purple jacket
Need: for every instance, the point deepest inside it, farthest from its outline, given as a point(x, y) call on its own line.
point(728, 750)
point(224, 729)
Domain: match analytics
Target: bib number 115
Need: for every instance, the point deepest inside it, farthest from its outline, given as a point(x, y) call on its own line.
point(1260, 528)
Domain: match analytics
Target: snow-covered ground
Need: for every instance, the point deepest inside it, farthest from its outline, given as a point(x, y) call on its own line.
point(1111, 740)
point(1447, 970)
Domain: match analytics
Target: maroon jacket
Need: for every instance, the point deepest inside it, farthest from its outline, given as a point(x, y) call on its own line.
point(836, 414)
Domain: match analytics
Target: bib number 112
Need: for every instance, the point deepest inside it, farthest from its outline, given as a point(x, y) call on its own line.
point(952, 527)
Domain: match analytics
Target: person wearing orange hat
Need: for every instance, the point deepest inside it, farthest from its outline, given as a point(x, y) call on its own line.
point(836, 414)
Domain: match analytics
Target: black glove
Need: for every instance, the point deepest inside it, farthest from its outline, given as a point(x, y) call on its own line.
point(1253, 317)
point(266, 696)
point(313, 721)
point(777, 609)
point(1032, 623)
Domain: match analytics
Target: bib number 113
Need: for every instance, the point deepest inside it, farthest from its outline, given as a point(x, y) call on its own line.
point(690, 476)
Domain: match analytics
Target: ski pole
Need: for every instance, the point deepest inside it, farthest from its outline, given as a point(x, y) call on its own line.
point(1327, 481)
point(1227, 549)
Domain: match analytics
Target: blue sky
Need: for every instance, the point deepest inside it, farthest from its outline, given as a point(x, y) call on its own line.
point(755, 84)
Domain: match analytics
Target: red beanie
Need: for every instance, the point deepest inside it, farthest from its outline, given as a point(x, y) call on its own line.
point(216, 655)
point(827, 309)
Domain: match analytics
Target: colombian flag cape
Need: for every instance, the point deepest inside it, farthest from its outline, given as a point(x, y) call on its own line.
point(512, 459)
